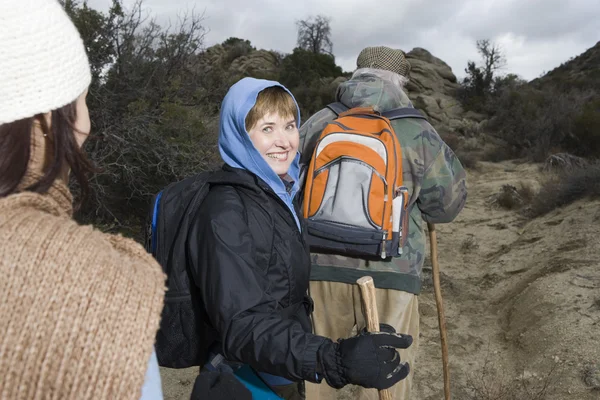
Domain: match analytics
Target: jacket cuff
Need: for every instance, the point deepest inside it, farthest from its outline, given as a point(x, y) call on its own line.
point(309, 365)
point(331, 365)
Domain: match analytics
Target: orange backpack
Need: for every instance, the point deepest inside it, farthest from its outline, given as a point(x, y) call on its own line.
point(354, 199)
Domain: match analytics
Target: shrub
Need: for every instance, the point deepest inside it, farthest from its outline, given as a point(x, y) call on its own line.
point(512, 197)
point(469, 160)
point(303, 68)
point(561, 162)
point(536, 123)
point(585, 140)
point(591, 376)
point(565, 188)
point(492, 382)
point(499, 153)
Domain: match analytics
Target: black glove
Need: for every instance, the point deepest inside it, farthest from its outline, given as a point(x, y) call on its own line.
point(219, 385)
point(369, 360)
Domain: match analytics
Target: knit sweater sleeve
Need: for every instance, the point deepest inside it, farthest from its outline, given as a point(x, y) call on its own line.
point(79, 309)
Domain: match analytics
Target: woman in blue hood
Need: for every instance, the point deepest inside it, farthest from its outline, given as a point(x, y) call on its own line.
point(252, 264)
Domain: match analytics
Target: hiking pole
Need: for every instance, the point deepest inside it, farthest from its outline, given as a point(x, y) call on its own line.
point(369, 303)
point(440, 306)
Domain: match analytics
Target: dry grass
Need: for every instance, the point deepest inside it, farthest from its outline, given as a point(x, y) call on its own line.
point(494, 383)
point(469, 244)
point(591, 376)
point(565, 188)
point(561, 162)
point(513, 197)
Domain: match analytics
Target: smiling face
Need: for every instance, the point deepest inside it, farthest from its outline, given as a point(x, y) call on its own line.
point(276, 138)
point(272, 127)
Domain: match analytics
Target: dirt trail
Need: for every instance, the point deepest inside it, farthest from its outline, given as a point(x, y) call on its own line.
point(522, 295)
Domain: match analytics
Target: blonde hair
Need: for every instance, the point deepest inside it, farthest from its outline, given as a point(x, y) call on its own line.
point(273, 99)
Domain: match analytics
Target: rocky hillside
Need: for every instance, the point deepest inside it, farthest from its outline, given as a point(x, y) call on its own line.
point(432, 87)
point(582, 72)
point(248, 62)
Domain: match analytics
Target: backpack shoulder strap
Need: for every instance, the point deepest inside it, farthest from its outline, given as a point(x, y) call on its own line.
point(337, 107)
point(396, 113)
point(151, 239)
point(403, 112)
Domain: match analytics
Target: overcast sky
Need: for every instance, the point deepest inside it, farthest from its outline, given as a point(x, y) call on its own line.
point(536, 35)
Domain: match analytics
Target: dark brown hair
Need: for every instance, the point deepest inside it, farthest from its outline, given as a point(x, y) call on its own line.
point(61, 148)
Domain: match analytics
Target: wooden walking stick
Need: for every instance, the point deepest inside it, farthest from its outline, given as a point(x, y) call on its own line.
point(369, 303)
point(440, 306)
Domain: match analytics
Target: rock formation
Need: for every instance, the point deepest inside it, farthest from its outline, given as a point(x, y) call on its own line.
point(433, 89)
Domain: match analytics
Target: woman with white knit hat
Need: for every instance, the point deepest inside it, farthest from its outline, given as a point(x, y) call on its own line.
point(79, 309)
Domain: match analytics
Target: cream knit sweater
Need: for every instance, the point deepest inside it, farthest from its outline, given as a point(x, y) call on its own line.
point(79, 309)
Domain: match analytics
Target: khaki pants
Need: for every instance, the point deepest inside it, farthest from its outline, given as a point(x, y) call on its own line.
point(338, 314)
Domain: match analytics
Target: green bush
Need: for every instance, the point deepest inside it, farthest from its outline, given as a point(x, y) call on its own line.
point(304, 68)
point(536, 123)
point(585, 140)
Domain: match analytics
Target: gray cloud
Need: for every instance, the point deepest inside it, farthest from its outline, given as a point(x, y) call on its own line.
point(536, 35)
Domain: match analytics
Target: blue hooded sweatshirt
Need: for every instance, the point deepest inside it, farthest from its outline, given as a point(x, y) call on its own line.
point(235, 146)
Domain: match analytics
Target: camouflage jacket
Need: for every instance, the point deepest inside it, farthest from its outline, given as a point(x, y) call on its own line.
point(433, 174)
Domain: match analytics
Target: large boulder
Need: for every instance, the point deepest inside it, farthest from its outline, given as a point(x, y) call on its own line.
point(260, 63)
point(214, 57)
point(433, 89)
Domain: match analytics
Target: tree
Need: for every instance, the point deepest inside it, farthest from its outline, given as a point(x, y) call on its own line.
point(236, 47)
point(307, 75)
point(314, 35)
point(150, 124)
point(492, 55)
point(154, 104)
point(480, 79)
point(94, 28)
point(303, 66)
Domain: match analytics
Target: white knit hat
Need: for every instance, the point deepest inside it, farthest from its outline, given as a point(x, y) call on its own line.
point(43, 63)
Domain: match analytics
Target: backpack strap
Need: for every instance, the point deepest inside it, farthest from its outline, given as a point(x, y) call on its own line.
point(396, 113)
point(154, 222)
point(337, 108)
point(403, 112)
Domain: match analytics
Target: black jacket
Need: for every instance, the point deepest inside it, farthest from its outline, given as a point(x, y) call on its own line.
point(252, 267)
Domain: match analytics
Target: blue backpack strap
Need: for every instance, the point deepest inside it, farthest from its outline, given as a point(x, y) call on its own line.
point(403, 112)
point(337, 108)
point(154, 222)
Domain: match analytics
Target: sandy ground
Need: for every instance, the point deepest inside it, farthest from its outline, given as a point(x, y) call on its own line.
point(521, 297)
point(522, 301)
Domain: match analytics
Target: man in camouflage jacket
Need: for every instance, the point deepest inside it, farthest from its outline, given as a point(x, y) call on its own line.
point(437, 185)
